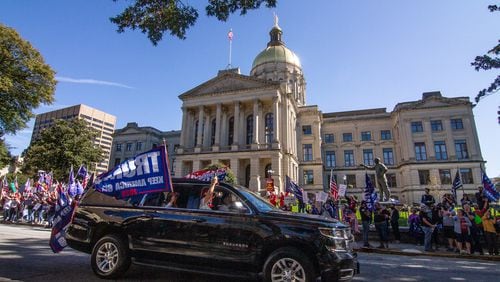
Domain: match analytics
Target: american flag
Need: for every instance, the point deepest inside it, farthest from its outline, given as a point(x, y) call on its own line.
point(230, 35)
point(334, 190)
point(457, 183)
point(208, 174)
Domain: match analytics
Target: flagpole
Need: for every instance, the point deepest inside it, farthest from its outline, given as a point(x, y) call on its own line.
point(230, 36)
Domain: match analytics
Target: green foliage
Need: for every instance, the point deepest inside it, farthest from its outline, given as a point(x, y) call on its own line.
point(156, 17)
point(5, 156)
point(64, 144)
point(25, 81)
point(487, 62)
point(230, 178)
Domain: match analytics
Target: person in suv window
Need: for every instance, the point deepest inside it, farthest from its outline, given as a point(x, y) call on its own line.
point(208, 195)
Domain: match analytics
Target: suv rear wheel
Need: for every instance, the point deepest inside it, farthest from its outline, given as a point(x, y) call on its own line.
point(288, 264)
point(110, 257)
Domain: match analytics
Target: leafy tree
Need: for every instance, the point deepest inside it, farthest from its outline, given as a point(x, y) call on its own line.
point(25, 81)
point(5, 156)
point(487, 62)
point(230, 178)
point(64, 144)
point(156, 17)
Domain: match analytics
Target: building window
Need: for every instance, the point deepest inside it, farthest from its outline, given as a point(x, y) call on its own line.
point(445, 176)
point(456, 124)
point(391, 180)
point(440, 148)
point(388, 156)
point(461, 149)
point(347, 137)
point(230, 133)
point(424, 177)
point(308, 152)
point(466, 174)
point(420, 152)
point(249, 129)
point(247, 175)
point(118, 147)
point(329, 138)
point(330, 158)
point(129, 147)
point(366, 136)
point(138, 146)
point(416, 126)
point(351, 180)
point(368, 156)
point(269, 129)
point(348, 158)
point(117, 161)
point(436, 125)
point(212, 133)
point(308, 177)
point(385, 135)
point(306, 130)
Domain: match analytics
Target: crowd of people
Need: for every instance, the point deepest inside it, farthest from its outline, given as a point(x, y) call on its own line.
point(35, 206)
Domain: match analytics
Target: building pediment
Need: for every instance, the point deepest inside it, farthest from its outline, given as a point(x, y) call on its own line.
point(228, 82)
point(433, 102)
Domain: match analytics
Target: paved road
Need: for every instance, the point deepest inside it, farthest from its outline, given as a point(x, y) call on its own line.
point(26, 256)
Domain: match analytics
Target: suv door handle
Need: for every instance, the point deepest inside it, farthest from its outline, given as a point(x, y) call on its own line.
point(198, 220)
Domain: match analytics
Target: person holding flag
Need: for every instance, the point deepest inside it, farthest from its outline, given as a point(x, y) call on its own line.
point(206, 202)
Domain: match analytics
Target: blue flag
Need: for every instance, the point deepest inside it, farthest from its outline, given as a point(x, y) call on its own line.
point(293, 188)
point(489, 189)
point(145, 173)
point(370, 194)
point(72, 189)
point(62, 218)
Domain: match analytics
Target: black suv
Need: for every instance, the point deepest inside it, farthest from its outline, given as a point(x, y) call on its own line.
point(241, 236)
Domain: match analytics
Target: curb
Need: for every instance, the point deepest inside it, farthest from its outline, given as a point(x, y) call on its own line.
point(26, 224)
point(433, 254)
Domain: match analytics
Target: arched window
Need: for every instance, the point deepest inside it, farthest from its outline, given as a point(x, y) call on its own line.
point(212, 134)
point(196, 124)
point(268, 168)
point(230, 133)
point(247, 176)
point(250, 129)
point(269, 130)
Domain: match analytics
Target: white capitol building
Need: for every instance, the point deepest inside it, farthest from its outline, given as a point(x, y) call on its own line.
point(260, 122)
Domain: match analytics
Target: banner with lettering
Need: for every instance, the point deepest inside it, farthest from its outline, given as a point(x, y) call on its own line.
point(145, 173)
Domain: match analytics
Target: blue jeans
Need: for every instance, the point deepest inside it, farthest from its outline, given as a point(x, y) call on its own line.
point(366, 230)
point(382, 230)
point(427, 238)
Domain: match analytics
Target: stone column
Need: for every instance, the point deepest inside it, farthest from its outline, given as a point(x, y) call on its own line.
point(236, 133)
point(255, 175)
point(184, 127)
point(217, 128)
point(223, 128)
point(235, 167)
point(199, 134)
point(255, 141)
point(276, 125)
point(206, 131)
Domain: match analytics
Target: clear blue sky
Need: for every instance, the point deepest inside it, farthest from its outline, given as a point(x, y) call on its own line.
point(355, 55)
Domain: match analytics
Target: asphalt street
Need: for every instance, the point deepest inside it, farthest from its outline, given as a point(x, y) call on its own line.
point(26, 256)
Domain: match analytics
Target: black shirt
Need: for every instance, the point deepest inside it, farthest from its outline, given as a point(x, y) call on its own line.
point(366, 215)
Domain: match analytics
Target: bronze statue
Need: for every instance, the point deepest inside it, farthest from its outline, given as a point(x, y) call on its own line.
point(380, 170)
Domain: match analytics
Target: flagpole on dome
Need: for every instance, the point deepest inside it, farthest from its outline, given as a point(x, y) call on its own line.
point(230, 37)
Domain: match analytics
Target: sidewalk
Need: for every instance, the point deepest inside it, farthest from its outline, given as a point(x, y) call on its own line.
point(406, 249)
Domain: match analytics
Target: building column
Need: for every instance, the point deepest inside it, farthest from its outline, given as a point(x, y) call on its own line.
point(217, 127)
point(255, 175)
point(206, 131)
point(276, 125)
point(199, 134)
point(235, 166)
point(223, 128)
point(256, 121)
point(236, 133)
point(183, 128)
point(277, 165)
